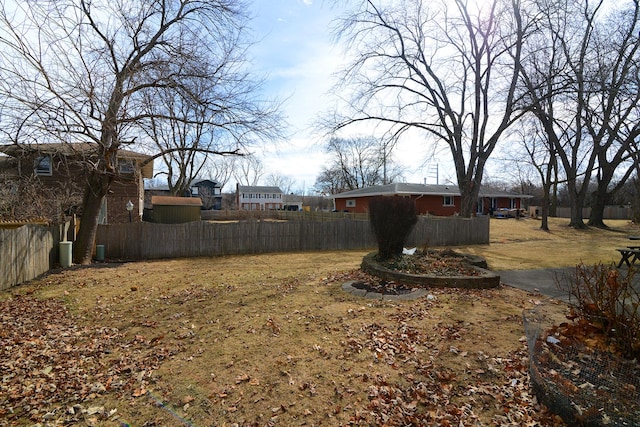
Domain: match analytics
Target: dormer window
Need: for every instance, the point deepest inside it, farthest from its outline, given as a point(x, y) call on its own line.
point(43, 166)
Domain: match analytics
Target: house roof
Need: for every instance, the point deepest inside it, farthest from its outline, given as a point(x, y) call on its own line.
point(259, 189)
point(401, 188)
point(292, 198)
point(204, 182)
point(175, 201)
point(75, 149)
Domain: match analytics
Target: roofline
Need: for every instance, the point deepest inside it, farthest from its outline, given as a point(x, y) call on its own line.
point(425, 193)
point(392, 190)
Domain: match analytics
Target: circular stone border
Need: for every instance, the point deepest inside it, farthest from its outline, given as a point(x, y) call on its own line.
point(407, 296)
point(484, 280)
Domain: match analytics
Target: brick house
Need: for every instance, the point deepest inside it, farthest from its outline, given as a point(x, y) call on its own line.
point(59, 169)
point(441, 200)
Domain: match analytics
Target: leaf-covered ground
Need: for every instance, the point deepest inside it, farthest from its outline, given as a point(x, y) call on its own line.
point(432, 262)
point(260, 340)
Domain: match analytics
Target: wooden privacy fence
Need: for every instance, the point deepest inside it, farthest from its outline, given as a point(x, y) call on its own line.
point(137, 241)
point(610, 212)
point(26, 252)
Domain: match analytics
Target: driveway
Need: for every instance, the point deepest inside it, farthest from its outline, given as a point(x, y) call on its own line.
point(546, 281)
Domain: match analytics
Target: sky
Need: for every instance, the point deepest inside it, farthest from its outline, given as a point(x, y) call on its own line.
point(295, 52)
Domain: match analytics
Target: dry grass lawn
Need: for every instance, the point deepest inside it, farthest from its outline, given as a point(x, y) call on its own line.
point(273, 340)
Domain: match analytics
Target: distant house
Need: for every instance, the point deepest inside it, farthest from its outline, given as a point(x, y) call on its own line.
point(258, 198)
point(442, 200)
point(209, 191)
point(61, 168)
point(292, 202)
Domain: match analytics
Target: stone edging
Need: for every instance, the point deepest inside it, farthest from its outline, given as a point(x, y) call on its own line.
point(413, 294)
point(486, 279)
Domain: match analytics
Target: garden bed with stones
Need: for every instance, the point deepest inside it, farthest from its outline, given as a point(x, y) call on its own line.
point(433, 269)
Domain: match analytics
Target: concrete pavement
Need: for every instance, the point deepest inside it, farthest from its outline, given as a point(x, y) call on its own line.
point(545, 281)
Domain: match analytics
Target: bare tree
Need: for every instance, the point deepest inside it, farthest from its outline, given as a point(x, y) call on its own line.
point(248, 170)
point(80, 71)
point(329, 181)
point(612, 111)
point(356, 163)
point(187, 131)
point(536, 151)
point(220, 169)
point(185, 128)
point(284, 182)
point(580, 71)
point(447, 68)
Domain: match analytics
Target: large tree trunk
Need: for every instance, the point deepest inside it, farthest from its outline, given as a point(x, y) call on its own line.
point(576, 201)
point(95, 192)
point(553, 203)
point(546, 202)
point(596, 219)
point(468, 199)
point(635, 204)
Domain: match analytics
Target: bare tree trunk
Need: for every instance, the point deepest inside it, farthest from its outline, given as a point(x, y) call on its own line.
point(600, 198)
point(576, 201)
point(468, 199)
point(635, 205)
point(553, 203)
point(605, 191)
point(546, 203)
point(97, 188)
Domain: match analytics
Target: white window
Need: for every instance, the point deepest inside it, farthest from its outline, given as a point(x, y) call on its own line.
point(448, 201)
point(194, 191)
point(513, 204)
point(125, 166)
point(351, 203)
point(43, 166)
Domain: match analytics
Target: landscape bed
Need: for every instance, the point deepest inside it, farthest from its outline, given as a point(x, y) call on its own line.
point(432, 269)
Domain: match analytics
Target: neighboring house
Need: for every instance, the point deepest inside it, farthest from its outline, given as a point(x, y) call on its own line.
point(61, 168)
point(258, 198)
point(292, 202)
point(209, 191)
point(442, 200)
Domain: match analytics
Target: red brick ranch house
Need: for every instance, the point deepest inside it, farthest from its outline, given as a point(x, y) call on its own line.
point(441, 200)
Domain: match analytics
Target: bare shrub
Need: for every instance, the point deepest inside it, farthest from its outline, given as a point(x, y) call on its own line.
point(607, 299)
point(22, 199)
point(392, 219)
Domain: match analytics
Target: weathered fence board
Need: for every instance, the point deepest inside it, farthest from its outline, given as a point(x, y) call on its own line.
point(26, 252)
point(31, 250)
point(610, 212)
point(148, 241)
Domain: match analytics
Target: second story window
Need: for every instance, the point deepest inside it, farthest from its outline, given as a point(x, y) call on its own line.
point(43, 166)
point(125, 166)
